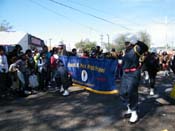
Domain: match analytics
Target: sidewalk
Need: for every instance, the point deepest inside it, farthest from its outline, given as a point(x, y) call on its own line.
point(86, 111)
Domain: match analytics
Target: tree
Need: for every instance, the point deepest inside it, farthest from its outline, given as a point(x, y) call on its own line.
point(85, 45)
point(119, 42)
point(108, 46)
point(144, 37)
point(5, 26)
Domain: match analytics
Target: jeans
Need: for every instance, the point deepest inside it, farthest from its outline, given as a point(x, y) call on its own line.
point(129, 88)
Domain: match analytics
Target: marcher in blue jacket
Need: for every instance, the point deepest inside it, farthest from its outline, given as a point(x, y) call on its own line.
point(131, 75)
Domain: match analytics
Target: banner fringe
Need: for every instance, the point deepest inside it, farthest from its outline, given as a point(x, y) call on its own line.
point(96, 91)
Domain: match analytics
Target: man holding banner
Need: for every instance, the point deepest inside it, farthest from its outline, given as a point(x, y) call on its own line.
point(131, 75)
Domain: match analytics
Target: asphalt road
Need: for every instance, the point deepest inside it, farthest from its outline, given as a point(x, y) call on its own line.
point(86, 111)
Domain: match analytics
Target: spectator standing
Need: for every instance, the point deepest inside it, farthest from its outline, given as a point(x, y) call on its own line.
point(54, 63)
point(3, 61)
point(62, 78)
point(4, 81)
point(47, 56)
point(42, 71)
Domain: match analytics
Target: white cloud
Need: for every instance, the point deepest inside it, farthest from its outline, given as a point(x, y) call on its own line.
point(161, 34)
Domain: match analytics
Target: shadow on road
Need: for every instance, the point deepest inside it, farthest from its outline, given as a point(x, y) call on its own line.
point(83, 110)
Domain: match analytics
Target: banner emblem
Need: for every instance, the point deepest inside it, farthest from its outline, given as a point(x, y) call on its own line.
point(84, 75)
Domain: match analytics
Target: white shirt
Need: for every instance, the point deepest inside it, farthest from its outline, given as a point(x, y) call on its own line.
point(3, 63)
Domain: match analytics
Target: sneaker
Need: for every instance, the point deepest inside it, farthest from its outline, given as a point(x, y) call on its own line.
point(62, 89)
point(34, 92)
point(49, 86)
point(56, 88)
point(27, 92)
point(134, 117)
point(127, 114)
point(146, 75)
point(66, 93)
point(151, 92)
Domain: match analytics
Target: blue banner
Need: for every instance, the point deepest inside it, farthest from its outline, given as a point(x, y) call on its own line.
point(96, 74)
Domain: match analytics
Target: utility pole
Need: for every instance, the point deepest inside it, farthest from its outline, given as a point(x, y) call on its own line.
point(50, 43)
point(166, 23)
point(166, 28)
point(108, 41)
point(45, 42)
point(101, 38)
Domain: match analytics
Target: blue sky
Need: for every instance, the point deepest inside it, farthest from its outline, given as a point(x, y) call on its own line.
point(47, 19)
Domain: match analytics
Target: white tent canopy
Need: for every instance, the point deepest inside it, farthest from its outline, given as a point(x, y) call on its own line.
point(22, 38)
point(11, 38)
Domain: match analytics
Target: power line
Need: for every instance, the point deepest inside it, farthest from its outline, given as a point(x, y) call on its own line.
point(63, 16)
point(103, 12)
point(97, 10)
point(89, 14)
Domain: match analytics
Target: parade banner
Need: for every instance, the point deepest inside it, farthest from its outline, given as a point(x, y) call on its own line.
point(97, 75)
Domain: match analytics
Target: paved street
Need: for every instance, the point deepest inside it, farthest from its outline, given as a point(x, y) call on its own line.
point(85, 111)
